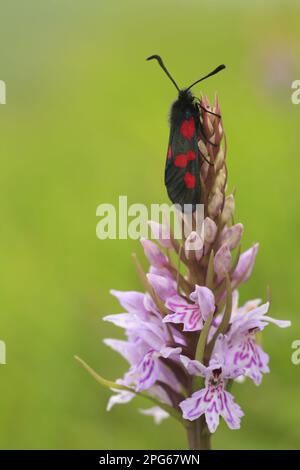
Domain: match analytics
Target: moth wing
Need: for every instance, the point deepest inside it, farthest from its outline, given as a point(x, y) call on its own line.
point(182, 171)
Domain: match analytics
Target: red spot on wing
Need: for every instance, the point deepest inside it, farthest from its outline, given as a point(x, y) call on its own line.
point(189, 180)
point(181, 160)
point(190, 155)
point(170, 152)
point(187, 128)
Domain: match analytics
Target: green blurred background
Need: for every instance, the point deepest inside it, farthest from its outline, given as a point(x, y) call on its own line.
point(85, 122)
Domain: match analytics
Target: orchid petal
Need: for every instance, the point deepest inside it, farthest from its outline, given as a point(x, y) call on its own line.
point(156, 412)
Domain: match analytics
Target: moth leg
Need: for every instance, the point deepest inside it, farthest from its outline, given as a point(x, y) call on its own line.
point(204, 158)
point(209, 112)
point(202, 130)
point(207, 140)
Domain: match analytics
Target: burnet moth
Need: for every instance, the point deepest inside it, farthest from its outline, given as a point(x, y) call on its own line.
point(182, 171)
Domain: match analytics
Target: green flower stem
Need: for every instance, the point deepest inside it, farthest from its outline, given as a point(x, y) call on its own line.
point(198, 435)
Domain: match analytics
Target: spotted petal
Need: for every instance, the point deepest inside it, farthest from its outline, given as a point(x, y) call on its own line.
point(147, 371)
point(156, 412)
point(205, 299)
point(229, 410)
point(188, 314)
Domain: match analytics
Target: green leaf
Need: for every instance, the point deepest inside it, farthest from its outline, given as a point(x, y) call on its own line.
point(210, 271)
point(203, 337)
point(113, 385)
point(106, 383)
point(237, 258)
point(222, 328)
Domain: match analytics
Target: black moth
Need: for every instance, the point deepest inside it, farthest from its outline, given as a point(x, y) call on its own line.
point(182, 172)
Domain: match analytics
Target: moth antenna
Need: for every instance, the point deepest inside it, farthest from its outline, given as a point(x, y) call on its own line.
point(217, 70)
point(159, 60)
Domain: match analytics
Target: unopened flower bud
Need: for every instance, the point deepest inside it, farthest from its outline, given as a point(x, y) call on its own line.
point(228, 209)
point(163, 286)
point(161, 233)
point(219, 160)
point(204, 170)
point(232, 235)
point(245, 265)
point(216, 107)
point(215, 204)
point(220, 180)
point(207, 119)
point(194, 244)
point(220, 131)
point(153, 253)
point(213, 139)
point(222, 261)
point(203, 149)
point(208, 124)
point(210, 230)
